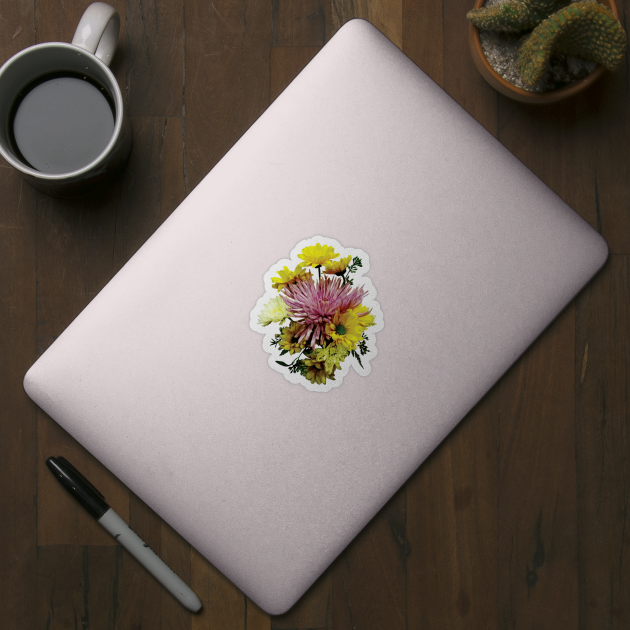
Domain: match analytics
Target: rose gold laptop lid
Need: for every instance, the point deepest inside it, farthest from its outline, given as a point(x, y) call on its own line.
point(175, 377)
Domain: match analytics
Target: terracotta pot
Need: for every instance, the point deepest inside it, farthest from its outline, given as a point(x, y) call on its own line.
point(518, 94)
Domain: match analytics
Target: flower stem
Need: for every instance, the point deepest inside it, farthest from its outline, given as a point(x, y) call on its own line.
point(296, 358)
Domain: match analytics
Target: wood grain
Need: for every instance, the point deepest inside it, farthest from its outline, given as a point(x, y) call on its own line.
point(285, 64)
point(452, 515)
point(609, 134)
point(60, 520)
point(386, 15)
point(422, 36)
point(154, 57)
point(518, 520)
point(224, 606)
point(226, 78)
point(461, 79)
point(147, 603)
point(57, 22)
point(537, 534)
point(151, 187)
point(313, 609)
point(369, 577)
point(76, 587)
point(18, 416)
point(300, 22)
point(602, 380)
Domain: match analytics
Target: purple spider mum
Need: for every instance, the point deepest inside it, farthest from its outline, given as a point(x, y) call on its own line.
point(314, 304)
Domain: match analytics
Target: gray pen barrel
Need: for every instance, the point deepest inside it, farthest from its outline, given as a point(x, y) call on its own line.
point(149, 559)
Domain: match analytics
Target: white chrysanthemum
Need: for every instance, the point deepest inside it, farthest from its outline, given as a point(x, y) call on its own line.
point(274, 311)
point(331, 356)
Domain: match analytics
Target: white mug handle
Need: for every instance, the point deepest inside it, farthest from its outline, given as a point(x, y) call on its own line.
point(98, 31)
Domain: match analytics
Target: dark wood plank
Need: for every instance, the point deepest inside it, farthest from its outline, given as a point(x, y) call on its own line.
point(171, 159)
point(452, 527)
point(18, 419)
point(142, 600)
point(578, 148)
point(313, 609)
point(572, 147)
point(74, 245)
point(226, 78)
point(461, 78)
point(369, 577)
point(285, 64)
point(603, 443)
point(18, 415)
point(154, 57)
point(55, 23)
point(224, 606)
point(386, 15)
point(608, 126)
point(152, 185)
point(569, 146)
point(76, 587)
point(300, 22)
point(60, 519)
point(17, 28)
point(537, 537)
point(558, 147)
point(422, 36)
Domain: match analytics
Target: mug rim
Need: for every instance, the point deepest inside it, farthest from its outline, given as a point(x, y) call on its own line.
point(118, 122)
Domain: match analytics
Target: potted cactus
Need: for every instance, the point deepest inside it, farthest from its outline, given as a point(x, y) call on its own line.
point(558, 49)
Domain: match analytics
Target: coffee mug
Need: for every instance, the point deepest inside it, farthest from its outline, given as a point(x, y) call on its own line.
point(62, 114)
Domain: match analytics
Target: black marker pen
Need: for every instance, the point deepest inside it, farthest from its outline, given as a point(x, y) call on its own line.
point(94, 502)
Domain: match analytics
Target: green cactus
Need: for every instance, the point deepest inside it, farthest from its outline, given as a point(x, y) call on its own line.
point(584, 29)
point(513, 16)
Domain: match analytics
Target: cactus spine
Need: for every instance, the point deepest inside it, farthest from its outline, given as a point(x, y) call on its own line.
point(583, 29)
point(513, 16)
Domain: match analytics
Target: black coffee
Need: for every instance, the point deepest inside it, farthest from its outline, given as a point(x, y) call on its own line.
point(61, 123)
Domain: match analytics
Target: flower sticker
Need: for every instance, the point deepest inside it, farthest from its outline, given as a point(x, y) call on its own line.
point(319, 314)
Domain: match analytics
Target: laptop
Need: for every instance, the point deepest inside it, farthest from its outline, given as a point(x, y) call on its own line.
point(316, 316)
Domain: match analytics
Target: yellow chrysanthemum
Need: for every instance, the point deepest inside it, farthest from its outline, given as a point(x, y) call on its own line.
point(366, 320)
point(286, 276)
point(288, 338)
point(316, 372)
point(332, 356)
point(338, 266)
point(274, 311)
point(345, 330)
point(317, 255)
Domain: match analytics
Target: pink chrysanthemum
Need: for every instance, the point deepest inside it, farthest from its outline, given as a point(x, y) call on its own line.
point(314, 304)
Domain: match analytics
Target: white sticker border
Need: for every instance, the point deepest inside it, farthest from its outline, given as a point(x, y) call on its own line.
point(360, 280)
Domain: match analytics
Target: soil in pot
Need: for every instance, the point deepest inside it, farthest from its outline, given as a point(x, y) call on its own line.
point(501, 49)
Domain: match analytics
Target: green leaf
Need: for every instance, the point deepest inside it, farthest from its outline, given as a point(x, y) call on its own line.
point(282, 363)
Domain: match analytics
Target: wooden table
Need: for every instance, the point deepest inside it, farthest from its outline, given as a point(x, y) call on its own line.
point(518, 520)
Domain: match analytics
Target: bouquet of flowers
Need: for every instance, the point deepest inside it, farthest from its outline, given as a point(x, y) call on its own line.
point(321, 314)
